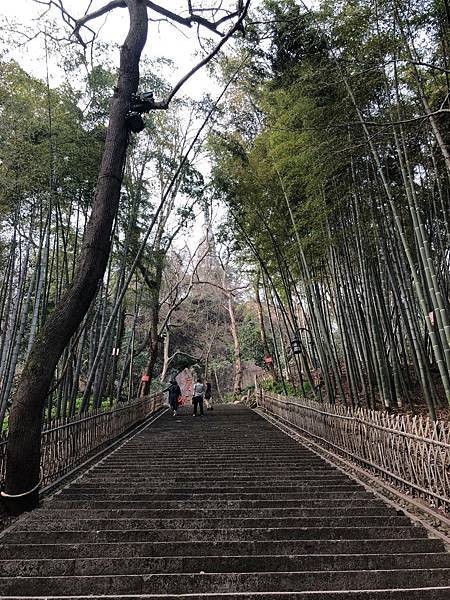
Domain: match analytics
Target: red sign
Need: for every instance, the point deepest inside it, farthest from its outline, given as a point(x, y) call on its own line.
point(145, 377)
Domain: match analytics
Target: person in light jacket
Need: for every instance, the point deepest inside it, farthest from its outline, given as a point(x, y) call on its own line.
point(197, 397)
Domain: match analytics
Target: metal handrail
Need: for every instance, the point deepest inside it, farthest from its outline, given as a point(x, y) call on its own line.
point(365, 422)
point(411, 454)
point(68, 444)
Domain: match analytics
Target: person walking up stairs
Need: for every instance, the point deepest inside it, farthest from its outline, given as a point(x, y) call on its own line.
point(197, 397)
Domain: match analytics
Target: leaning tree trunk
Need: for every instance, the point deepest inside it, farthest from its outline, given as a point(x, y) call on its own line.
point(23, 452)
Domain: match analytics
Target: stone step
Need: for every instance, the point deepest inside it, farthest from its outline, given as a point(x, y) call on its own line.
point(221, 480)
point(196, 583)
point(213, 467)
point(235, 462)
point(193, 492)
point(233, 467)
point(146, 478)
point(148, 481)
point(230, 466)
point(209, 439)
point(247, 534)
point(433, 593)
point(222, 521)
point(213, 450)
point(214, 464)
point(187, 510)
point(338, 505)
point(219, 564)
point(206, 500)
point(234, 488)
point(142, 481)
point(208, 522)
point(249, 473)
point(231, 463)
point(205, 497)
point(220, 548)
point(256, 446)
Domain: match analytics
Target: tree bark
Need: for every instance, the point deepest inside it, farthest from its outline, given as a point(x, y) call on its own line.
point(237, 387)
point(166, 347)
point(262, 328)
point(23, 451)
point(154, 338)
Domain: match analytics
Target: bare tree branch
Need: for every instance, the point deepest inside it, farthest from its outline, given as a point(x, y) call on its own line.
point(78, 24)
point(193, 18)
point(236, 27)
point(184, 354)
point(220, 287)
point(94, 15)
point(179, 301)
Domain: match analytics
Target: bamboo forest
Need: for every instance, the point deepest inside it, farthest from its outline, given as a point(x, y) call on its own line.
point(225, 299)
point(252, 194)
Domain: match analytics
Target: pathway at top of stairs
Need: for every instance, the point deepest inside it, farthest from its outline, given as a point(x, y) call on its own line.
point(219, 507)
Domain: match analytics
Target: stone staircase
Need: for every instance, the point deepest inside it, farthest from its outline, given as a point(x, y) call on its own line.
point(223, 506)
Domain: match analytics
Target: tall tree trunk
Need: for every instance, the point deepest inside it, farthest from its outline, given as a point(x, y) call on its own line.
point(154, 339)
point(237, 387)
point(166, 348)
point(262, 327)
point(23, 451)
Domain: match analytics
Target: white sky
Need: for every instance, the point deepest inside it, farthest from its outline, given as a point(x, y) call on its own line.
point(164, 40)
point(179, 44)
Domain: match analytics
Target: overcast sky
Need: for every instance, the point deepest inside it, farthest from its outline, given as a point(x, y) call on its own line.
point(179, 44)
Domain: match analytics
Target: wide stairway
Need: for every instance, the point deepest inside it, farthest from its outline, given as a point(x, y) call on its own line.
point(223, 506)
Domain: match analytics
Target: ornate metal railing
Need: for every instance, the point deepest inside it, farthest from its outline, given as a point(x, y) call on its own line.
point(66, 443)
point(411, 453)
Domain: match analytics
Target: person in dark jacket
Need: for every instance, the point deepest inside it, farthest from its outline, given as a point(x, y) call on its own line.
point(208, 396)
point(174, 395)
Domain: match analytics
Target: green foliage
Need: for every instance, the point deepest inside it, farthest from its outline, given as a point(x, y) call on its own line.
point(277, 388)
point(101, 81)
point(308, 146)
point(228, 398)
point(45, 147)
point(106, 404)
point(250, 341)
